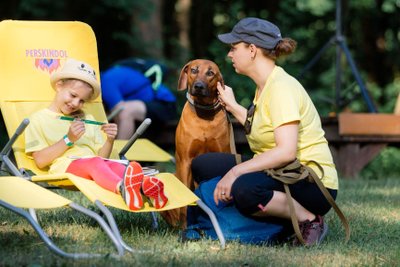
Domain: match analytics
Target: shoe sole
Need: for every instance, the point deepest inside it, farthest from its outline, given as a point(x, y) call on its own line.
point(323, 234)
point(132, 184)
point(155, 192)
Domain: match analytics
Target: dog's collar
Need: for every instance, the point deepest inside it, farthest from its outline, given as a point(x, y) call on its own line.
point(214, 106)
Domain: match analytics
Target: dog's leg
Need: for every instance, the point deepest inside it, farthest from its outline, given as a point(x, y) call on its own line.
point(177, 217)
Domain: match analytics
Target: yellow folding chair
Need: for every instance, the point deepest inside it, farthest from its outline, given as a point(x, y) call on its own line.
point(32, 196)
point(29, 52)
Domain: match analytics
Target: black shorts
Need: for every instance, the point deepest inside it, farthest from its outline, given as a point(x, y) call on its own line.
point(251, 189)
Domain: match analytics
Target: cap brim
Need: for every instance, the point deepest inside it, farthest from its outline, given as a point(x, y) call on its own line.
point(229, 38)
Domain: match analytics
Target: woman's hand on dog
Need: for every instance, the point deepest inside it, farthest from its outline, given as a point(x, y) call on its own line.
point(226, 96)
point(228, 100)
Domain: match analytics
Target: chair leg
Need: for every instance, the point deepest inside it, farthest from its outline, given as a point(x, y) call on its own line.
point(155, 220)
point(214, 222)
point(114, 227)
point(32, 212)
point(48, 242)
point(103, 224)
point(112, 224)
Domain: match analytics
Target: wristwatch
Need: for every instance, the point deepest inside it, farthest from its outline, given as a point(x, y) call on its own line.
point(67, 141)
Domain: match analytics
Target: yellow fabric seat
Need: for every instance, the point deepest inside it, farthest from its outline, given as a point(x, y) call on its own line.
point(174, 189)
point(143, 150)
point(18, 194)
point(39, 198)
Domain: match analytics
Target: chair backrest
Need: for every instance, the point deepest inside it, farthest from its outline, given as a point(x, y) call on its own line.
point(29, 52)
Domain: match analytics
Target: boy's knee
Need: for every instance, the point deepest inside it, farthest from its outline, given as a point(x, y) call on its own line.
point(95, 160)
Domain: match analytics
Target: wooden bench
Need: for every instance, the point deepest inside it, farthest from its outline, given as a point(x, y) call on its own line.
point(357, 138)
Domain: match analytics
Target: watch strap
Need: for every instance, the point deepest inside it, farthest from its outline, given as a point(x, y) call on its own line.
point(67, 141)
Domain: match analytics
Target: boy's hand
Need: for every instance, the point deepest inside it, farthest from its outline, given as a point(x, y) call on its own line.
point(111, 130)
point(76, 130)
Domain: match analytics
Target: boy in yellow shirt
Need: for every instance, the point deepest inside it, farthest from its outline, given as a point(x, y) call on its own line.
point(79, 148)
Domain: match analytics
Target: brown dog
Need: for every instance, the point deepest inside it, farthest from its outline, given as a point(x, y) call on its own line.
point(203, 126)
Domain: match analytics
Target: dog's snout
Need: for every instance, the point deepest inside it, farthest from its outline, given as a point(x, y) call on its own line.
point(199, 88)
point(199, 85)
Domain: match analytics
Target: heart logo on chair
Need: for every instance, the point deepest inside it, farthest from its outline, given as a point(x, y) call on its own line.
point(47, 64)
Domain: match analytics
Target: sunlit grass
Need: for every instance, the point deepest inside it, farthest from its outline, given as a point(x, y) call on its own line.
point(372, 207)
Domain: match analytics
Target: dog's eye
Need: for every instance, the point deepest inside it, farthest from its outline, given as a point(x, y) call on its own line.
point(210, 73)
point(194, 70)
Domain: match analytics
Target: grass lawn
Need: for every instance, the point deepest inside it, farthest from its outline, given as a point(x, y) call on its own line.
point(372, 207)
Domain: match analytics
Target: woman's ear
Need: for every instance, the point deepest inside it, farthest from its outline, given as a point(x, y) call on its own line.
point(253, 51)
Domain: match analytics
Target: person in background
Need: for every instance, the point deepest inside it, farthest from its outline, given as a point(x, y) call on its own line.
point(127, 89)
point(282, 124)
point(63, 139)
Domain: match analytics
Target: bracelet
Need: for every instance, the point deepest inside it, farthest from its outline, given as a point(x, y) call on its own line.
point(67, 141)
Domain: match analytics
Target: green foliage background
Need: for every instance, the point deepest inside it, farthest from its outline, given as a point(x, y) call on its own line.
point(371, 29)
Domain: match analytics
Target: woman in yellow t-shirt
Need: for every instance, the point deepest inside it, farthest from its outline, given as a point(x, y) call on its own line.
point(282, 124)
point(75, 146)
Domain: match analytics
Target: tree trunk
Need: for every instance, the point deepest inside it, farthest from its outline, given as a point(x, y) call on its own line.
point(148, 22)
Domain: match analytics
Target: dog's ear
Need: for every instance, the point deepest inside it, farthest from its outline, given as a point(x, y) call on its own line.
point(183, 77)
point(221, 79)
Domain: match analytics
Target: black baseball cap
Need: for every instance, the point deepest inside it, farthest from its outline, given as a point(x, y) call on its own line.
point(259, 32)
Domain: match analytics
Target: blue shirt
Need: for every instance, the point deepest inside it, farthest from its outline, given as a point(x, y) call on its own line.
point(121, 83)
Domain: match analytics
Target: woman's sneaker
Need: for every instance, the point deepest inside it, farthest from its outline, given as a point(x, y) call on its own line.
point(131, 184)
point(313, 232)
point(153, 188)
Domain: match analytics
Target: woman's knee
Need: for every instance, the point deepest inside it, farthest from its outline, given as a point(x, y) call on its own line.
point(210, 165)
point(198, 167)
point(240, 192)
point(248, 193)
point(198, 163)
